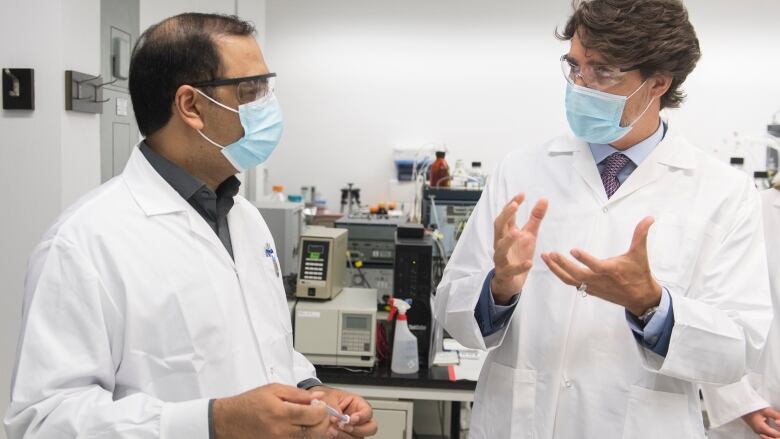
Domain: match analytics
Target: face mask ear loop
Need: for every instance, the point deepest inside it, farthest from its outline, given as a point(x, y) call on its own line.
point(216, 102)
point(643, 113)
point(631, 125)
point(210, 141)
point(221, 105)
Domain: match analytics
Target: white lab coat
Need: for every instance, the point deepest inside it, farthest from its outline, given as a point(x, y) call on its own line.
point(135, 315)
point(568, 366)
point(761, 387)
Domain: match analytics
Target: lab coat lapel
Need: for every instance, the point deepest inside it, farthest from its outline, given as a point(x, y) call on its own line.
point(152, 193)
point(648, 172)
point(242, 241)
point(156, 197)
point(672, 153)
point(583, 163)
point(201, 228)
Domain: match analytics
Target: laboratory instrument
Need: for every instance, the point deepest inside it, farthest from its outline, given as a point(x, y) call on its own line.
point(323, 262)
point(285, 221)
point(410, 160)
point(405, 353)
point(448, 211)
point(309, 194)
point(411, 231)
point(338, 332)
point(350, 199)
point(378, 277)
point(371, 240)
point(413, 280)
point(371, 257)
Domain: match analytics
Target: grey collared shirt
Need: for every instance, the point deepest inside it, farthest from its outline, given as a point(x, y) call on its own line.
point(212, 206)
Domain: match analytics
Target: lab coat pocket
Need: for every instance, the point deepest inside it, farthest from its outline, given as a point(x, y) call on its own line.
point(277, 351)
point(507, 403)
point(674, 246)
point(652, 414)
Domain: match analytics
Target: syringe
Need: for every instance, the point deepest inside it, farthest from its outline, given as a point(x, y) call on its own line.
point(343, 419)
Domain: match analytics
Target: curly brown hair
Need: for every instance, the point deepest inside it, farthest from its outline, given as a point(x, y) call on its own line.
point(653, 36)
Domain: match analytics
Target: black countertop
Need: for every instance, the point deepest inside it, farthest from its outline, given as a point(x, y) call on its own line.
point(436, 377)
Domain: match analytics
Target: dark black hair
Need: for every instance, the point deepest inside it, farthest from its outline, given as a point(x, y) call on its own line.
point(176, 51)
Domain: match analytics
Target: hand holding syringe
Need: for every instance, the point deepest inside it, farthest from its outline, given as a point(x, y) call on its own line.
point(342, 418)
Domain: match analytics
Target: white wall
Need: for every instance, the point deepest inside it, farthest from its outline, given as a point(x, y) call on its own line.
point(153, 11)
point(357, 78)
point(735, 87)
point(80, 132)
point(48, 156)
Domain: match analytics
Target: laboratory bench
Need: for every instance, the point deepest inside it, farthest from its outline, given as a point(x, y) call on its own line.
point(430, 384)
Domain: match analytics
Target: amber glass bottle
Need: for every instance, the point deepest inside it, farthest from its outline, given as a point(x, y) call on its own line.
point(440, 171)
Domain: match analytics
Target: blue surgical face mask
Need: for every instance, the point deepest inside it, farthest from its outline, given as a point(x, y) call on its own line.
point(595, 116)
point(263, 125)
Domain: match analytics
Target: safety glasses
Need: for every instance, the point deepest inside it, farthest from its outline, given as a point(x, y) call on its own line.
point(598, 77)
point(248, 88)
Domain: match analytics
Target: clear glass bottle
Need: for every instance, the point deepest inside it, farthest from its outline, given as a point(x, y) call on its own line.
point(477, 178)
point(459, 175)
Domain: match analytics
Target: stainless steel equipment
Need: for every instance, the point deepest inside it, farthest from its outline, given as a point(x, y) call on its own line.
point(285, 221)
point(448, 210)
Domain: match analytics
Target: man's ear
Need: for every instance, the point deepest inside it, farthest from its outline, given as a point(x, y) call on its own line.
point(188, 105)
point(659, 85)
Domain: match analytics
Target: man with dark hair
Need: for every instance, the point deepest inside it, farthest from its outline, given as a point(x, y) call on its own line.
point(154, 307)
point(666, 285)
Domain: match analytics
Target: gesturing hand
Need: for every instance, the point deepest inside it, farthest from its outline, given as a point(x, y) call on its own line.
point(514, 248)
point(625, 280)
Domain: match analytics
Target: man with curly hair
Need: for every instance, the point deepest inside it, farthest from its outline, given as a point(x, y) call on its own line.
point(638, 274)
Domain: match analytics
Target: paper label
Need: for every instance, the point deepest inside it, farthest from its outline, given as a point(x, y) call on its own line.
point(121, 107)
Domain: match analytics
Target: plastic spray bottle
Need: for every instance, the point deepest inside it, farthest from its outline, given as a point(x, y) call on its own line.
point(405, 358)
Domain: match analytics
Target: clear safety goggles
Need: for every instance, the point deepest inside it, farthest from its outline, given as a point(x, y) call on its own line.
point(597, 77)
point(248, 88)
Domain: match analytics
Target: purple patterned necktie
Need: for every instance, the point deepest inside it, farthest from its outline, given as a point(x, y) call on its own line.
point(612, 167)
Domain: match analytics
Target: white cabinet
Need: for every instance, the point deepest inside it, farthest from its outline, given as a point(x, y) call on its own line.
point(394, 419)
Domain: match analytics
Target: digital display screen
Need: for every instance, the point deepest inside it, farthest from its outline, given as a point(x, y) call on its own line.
point(314, 260)
point(356, 322)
